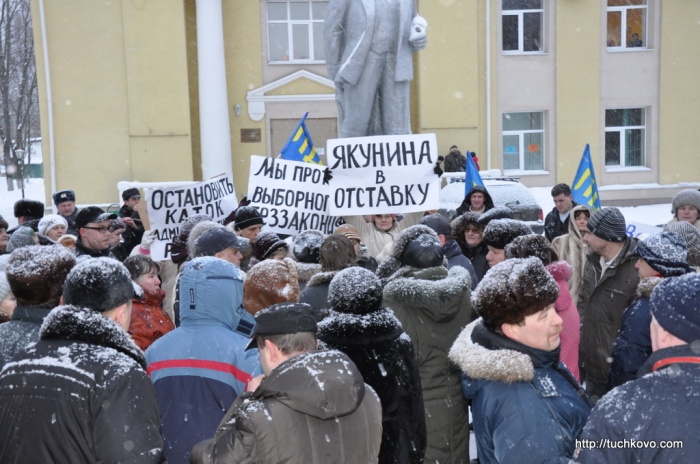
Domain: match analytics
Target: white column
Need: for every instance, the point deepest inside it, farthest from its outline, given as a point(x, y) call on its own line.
point(214, 125)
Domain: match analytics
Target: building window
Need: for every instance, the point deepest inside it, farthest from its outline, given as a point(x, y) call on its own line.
point(523, 26)
point(523, 141)
point(627, 24)
point(625, 137)
point(295, 31)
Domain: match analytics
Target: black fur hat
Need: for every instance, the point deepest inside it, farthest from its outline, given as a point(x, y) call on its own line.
point(99, 284)
point(423, 252)
point(36, 274)
point(29, 208)
point(3, 223)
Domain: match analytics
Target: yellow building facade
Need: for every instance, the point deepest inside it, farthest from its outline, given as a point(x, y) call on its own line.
point(525, 84)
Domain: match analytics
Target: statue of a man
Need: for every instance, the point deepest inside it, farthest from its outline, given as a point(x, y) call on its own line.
point(369, 47)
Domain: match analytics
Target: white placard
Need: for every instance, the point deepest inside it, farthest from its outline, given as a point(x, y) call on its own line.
point(169, 207)
point(290, 195)
point(639, 230)
point(383, 174)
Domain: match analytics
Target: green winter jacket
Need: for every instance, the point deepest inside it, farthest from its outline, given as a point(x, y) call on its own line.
point(434, 305)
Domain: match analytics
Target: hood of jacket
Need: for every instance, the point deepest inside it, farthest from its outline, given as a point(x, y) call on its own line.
point(211, 292)
point(573, 229)
point(69, 322)
point(436, 290)
point(323, 384)
point(561, 271)
point(484, 355)
point(467, 202)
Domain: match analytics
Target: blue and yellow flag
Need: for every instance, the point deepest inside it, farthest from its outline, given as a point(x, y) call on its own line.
point(299, 147)
point(584, 189)
point(471, 175)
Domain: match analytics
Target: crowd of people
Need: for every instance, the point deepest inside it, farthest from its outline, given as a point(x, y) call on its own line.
point(371, 344)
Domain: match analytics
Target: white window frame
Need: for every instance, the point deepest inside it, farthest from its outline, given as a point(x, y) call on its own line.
point(623, 26)
point(521, 142)
point(521, 30)
point(290, 35)
point(621, 130)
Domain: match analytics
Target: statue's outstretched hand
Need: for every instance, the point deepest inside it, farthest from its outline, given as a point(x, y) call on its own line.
point(418, 37)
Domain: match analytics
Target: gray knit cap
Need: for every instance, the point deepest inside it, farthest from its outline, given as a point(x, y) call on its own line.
point(665, 253)
point(691, 235)
point(608, 224)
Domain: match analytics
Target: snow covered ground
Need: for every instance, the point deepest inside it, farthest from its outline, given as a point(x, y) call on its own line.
point(651, 214)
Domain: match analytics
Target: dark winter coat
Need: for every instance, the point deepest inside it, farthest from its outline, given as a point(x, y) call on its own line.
point(131, 236)
point(22, 330)
point(553, 227)
point(454, 256)
point(633, 344)
point(526, 405)
point(433, 306)
point(316, 292)
point(466, 203)
point(374, 340)
point(80, 395)
point(71, 223)
point(299, 415)
point(601, 303)
point(661, 405)
point(82, 250)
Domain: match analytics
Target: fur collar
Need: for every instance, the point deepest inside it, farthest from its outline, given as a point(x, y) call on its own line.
point(321, 278)
point(81, 324)
point(480, 363)
point(646, 286)
point(305, 271)
point(359, 329)
point(429, 287)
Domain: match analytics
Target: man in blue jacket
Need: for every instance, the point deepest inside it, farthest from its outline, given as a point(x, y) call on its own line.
point(656, 417)
point(201, 367)
point(526, 405)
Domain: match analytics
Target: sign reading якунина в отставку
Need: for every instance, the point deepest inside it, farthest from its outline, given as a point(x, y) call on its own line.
point(383, 174)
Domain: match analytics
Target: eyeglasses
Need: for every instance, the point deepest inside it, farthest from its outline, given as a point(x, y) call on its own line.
point(101, 230)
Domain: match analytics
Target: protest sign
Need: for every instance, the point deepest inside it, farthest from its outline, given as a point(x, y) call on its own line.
point(169, 207)
point(383, 174)
point(290, 195)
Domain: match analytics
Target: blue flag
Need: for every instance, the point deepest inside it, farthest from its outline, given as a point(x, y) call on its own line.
point(299, 147)
point(584, 189)
point(471, 175)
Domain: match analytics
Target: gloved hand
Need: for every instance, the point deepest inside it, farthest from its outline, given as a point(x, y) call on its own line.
point(327, 176)
point(146, 241)
point(437, 169)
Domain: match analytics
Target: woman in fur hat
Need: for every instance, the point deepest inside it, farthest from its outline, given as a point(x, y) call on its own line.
point(526, 405)
point(572, 249)
point(336, 253)
point(372, 337)
point(469, 234)
point(685, 207)
point(433, 305)
point(660, 256)
point(539, 247)
point(149, 321)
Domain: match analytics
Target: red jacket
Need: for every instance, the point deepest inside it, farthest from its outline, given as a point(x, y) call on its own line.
point(148, 320)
